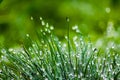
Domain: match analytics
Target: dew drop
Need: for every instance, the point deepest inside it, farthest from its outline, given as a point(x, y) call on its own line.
point(66, 37)
point(45, 45)
point(46, 29)
point(46, 78)
point(107, 10)
point(104, 59)
point(47, 25)
point(44, 33)
point(64, 45)
point(43, 23)
point(42, 42)
point(109, 70)
point(31, 78)
point(108, 55)
point(58, 64)
point(51, 27)
point(77, 30)
point(4, 58)
point(81, 74)
point(67, 19)
point(10, 49)
point(33, 45)
point(78, 55)
point(76, 44)
point(75, 38)
point(113, 47)
point(12, 79)
point(30, 49)
point(40, 52)
point(110, 29)
point(41, 18)
point(37, 73)
point(49, 31)
point(43, 69)
point(0, 71)
point(27, 35)
point(71, 75)
point(74, 68)
point(31, 18)
point(3, 51)
point(95, 57)
point(118, 64)
point(41, 30)
point(75, 27)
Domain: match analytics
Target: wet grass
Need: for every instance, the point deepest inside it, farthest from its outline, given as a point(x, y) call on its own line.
point(48, 58)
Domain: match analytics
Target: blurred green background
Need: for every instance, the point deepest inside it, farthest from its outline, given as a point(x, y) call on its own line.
point(97, 18)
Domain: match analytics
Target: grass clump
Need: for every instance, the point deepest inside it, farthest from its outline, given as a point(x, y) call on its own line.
point(50, 59)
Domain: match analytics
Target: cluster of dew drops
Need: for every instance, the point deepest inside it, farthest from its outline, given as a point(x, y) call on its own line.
point(48, 28)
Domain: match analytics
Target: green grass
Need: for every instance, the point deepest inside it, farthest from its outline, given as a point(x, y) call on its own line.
point(47, 58)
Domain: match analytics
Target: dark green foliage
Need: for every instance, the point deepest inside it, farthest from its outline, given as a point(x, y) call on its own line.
point(1, 1)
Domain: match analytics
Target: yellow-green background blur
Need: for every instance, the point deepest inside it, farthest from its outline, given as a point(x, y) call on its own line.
point(93, 18)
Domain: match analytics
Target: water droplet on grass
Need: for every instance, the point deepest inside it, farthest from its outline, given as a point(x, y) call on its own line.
point(41, 18)
point(113, 47)
point(77, 30)
point(76, 44)
point(46, 78)
point(107, 10)
point(0, 71)
point(31, 78)
point(104, 59)
point(118, 64)
point(4, 58)
point(109, 55)
point(10, 49)
point(74, 68)
point(43, 69)
point(31, 18)
point(40, 52)
point(43, 23)
point(37, 73)
point(66, 37)
point(75, 38)
point(81, 74)
point(46, 29)
point(44, 33)
point(49, 31)
point(75, 27)
point(71, 75)
point(41, 30)
point(51, 27)
point(58, 64)
point(42, 41)
point(47, 25)
point(3, 51)
point(67, 19)
point(110, 29)
point(95, 57)
point(45, 45)
point(27, 35)
point(30, 49)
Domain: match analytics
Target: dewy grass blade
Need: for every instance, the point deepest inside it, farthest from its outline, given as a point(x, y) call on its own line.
point(62, 59)
point(68, 35)
point(47, 58)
